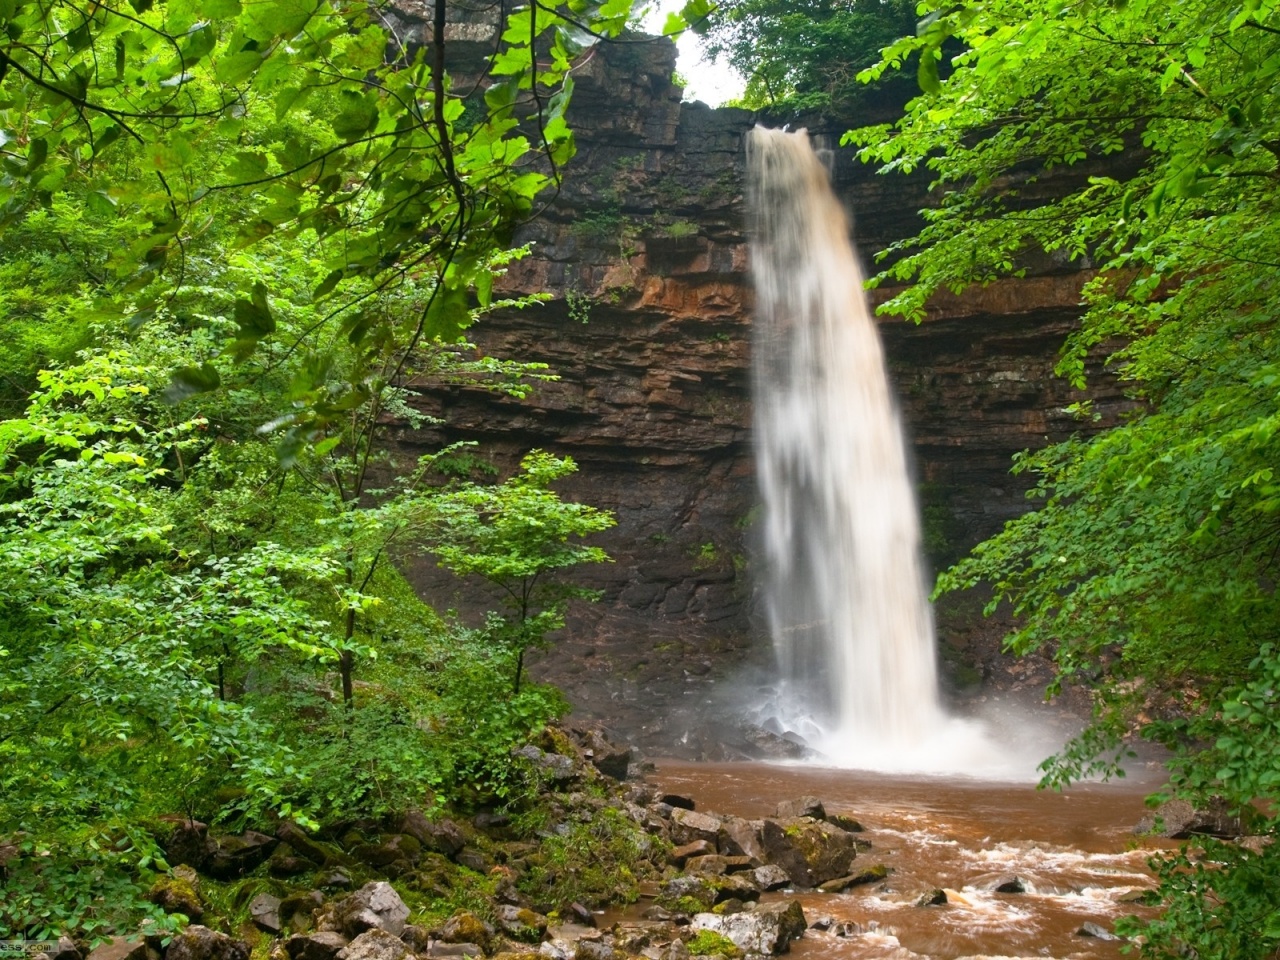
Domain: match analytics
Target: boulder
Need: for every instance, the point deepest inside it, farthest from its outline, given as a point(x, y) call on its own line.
point(607, 757)
point(684, 892)
point(234, 856)
point(375, 905)
point(1098, 932)
point(288, 832)
point(285, 862)
point(201, 943)
point(770, 877)
point(325, 945)
point(64, 948)
point(176, 894)
point(741, 838)
point(932, 898)
point(689, 825)
point(390, 849)
point(765, 929)
point(597, 950)
point(297, 911)
point(441, 836)
point(473, 859)
point(812, 852)
point(454, 950)
point(736, 886)
point(677, 801)
point(698, 848)
point(189, 843)
point(869, 875)
point(520, 923)
point(376, 944)
point(1011, 885)
point(843, 820)
point(554, 768)
point(122, 948)
point(1179, 820)
point(801, 807)
point(465, 927)
point(264, 910)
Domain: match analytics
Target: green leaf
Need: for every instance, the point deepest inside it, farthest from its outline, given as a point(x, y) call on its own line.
point(190, 381)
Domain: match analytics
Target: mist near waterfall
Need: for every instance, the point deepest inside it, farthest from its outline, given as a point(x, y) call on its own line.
point(844, 584)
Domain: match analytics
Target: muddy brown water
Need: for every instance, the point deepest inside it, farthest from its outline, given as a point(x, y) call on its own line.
point(1075, 852)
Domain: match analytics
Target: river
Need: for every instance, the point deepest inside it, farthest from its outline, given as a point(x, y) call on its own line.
point(1074, 852)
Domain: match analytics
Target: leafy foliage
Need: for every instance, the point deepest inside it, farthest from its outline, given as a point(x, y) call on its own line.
point(806, 55)
point(1136, 141)
point(519, 535)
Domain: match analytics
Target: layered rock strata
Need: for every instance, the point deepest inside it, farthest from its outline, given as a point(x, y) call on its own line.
point(643, 254)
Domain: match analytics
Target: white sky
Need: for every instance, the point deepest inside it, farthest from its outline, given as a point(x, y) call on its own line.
point(712, 83)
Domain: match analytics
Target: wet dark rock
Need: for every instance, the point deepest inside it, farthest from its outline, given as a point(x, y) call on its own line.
point(771, 877)
point(201, 943)
point(1179, 820)
point(677, 801)
point(767, 745)
point(473, 859)
point(765, 929)
point(1011, 885)
point(934, 898)
point(845, 821)
point(730, 906)
point(609, 758)
point(264, 910)
point(335, 879)
point(520, 923)
point(122, 948)
point(177, 894)
point(189, 843)
point(688, 826)
point(376, 944)
point(801, 807)
point(821, 923)
point(736, 886)
point(375, 905)
point(812, 852)
point(324, 945)
point(490, 821)
point(284, 862)
point(442, 836)
point(1098, 932)
point(581, 915)
point(234, 856)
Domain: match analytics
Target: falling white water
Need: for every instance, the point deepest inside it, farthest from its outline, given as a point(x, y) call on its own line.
point(846, 598)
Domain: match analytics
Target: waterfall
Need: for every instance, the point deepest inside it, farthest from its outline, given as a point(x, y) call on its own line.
point(845, 590)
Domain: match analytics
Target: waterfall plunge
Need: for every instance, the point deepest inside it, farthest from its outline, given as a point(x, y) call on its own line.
point(847, 606)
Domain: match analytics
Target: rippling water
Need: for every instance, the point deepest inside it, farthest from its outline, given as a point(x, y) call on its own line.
point(1074, 852)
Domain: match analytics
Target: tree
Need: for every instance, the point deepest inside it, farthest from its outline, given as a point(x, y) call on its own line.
point(518, 535)
point(806, 55)
point(1148, 567)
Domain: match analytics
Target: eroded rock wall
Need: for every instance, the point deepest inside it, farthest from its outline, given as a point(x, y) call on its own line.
point(648, 327)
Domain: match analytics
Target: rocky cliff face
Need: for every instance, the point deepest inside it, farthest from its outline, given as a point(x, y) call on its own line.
point(644, 255)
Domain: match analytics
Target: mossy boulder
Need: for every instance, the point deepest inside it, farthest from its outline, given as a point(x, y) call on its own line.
point(177, 895)
point(812, 852)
